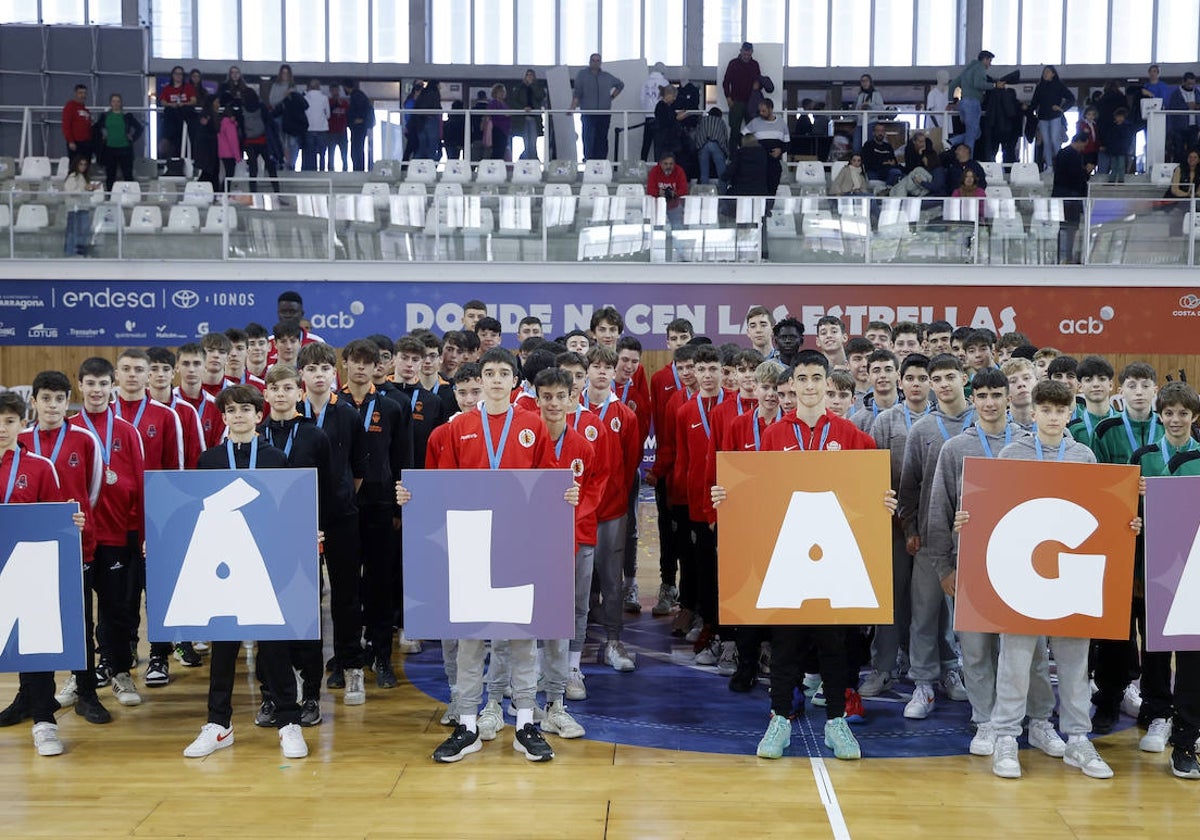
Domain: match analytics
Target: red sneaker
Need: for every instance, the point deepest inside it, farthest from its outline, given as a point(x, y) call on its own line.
point(855, 713)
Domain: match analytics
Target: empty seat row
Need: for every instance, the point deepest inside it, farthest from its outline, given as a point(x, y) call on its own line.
point(145, 218)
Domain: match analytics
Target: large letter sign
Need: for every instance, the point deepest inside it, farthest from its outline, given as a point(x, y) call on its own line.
point(1172, 564)
point(489, 554)
point(1048, 549)
point(232, 555)
point(804, 538)
point(41, 589)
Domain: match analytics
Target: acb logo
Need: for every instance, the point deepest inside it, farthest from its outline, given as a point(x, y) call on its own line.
point(1086, 326)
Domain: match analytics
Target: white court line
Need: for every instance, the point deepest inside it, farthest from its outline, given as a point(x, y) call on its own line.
point(829, 799)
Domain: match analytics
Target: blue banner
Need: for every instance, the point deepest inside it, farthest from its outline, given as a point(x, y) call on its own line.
point(232, 555)
point(489, 554)
point(41, 589)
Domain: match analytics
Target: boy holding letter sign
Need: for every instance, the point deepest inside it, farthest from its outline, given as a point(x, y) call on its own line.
point(1084, 596)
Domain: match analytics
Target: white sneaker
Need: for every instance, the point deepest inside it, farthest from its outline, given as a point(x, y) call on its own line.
point(629, 598)
point(921, 704)
point(617, 658)
point(812, 684)
point(668, 597)
point(984, 742)
point(291, 741)
point(69, 693)
point(576, 690)
point(1042, 736)
point(1155, 739)
point(558, 721)
point(406, 645)
point(952, 685)
point(1131, 703)
point(694, 631)
point(126, 694)
point(356, 688)
point(200, 647)
point(490, 721)
point(45, 739)
point(727, 662)
point(1082, 754)
point(1005, 762)
point(875, 684)
point(709, 654)
point(212, 737)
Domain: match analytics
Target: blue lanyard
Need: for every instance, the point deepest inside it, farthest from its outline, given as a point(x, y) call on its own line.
point(495, 454)
point(609, 400)
point(320, 417)
point(367, 417)
point(675, 373)
point(1062, 448)
point(942, 426)
point(754, 425)
point(625, 390)
point(740, 409)
point(37, 442)
point(578, 414)
point(12, 474)
point(1133, 446)
point(987, 447)
point(287, 447)
point(437, 386)
point(412, 404)
point(704, 415)
point(908, 421)
point(106, 447)
point(253, 453)
point(1163, 445)
point(800, 440)
point(1087, 420)
point(137, 418)
point(557, 447)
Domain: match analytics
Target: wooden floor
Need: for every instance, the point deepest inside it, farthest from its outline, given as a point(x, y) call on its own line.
point(369, 775)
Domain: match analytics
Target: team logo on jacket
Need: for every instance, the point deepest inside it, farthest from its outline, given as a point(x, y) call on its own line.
point(152, 431)
point(577, 467)
point(632, 405)
point(22, 481)
point(116, 446)
point(833, 446)
point(591, 433)
point(73, 460)
point(527, 437)
point(615, 424)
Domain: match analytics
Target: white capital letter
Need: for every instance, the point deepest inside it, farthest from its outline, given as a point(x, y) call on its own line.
point(472, 596)
point(29, 598)
point(1181, 621)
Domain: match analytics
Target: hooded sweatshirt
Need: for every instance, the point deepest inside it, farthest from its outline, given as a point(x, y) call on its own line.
point(921, 451)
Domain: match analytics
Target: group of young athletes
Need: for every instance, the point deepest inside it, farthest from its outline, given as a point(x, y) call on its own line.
point(931, 394)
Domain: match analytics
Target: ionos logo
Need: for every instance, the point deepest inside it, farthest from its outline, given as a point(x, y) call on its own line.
point(1189, 307)
point(1087, 326)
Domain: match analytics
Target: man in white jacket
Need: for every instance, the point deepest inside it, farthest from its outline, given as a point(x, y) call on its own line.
point(650, 96)
point(318, 126)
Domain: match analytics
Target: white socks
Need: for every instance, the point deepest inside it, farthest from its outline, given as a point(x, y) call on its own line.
point(524, 716)
point(469, 722)
point(576, 659)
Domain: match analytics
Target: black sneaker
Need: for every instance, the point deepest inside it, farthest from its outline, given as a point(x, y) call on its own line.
point(385, 677)
point(337, 677)
point(92, 710)
point(1184, 764)
point(266, 714)
point(530, 742)
point(186, 654)
point(104, 673)
point(461, 743)
point(310, 713)
point(744, 677)
point(1105, 718)
point(15, 712)
point(158, 671)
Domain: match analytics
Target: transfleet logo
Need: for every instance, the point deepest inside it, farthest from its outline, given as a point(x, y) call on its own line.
point(1189, 307)
point(1091, 325)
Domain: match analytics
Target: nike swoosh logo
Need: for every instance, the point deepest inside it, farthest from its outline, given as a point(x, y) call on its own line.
point(697, 425)
point(225, 737)
point(790, 448)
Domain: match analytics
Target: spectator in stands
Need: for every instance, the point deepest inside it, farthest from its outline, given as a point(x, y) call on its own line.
point(879, 157)
point(1114, 97)
point(740, 75)
point(668, 133)
point(229, 144)
point(1181, 129)
point(258, 140)
point(972, 83)
point(768, 127)
point(595, 89)
point(478, 119)
point(711, 138)
point(668, 180)
point(175, 98)
point(1002, 123)
point(200, 108)
point(116, 133)
point(866, 99)
point(1087, 124)
point(758, 92)
point(955, 162)
point(79, 208)
point(1071, 175)
point(294, 124)
point(205, 143)
point(969, 188)
point(233, 90)
point(937, 102)
point(317, 136)
point(281, 86)
point(1186, 177)
point(360, 116)
point(337, 128)
point(1051, 100)
point(501, 123)
point(1120, 136)
point(454, 132)
point(802, 124)
point(753, 171)
point(411, 123)
point(77, 124)
point(429, 125)
point(1155, 87)
point(852, 180)
point(529, 96)
point(651, 96)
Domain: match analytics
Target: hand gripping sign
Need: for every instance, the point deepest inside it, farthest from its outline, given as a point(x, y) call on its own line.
point(1048, 549)
point(804, 538)
point(232, 555)
point(41, 589)
point(1172, 564)
point(489, 554)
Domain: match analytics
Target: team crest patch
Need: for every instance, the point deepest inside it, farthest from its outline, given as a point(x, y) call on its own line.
point(591, 433)
point(152, 432)
point(577, 467)
point(632, 405)
point(116, 446)
point(833, 446)
point(73, 461)
point(22, 481)
point(527, 437)
point(615, 424)
point(375, 415)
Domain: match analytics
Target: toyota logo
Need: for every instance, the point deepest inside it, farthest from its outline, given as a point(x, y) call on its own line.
point(1190, 301)
point(185, 299)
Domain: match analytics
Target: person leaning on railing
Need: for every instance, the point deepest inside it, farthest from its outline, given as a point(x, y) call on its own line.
point(1186, 177)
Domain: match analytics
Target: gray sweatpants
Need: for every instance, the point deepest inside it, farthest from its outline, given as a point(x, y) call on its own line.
point(522, 662)
point(556, 662)
point(889, 637)
point(980, 655)
point(1012, 683)
point(930, 635)
point(610, 562)
point(585, 559)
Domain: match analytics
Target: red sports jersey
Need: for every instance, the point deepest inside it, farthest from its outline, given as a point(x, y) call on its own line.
point(830, 433)
point(248, 378)
point(525, 401)
point(635, 395)
point(734, 406)
point(219, 387)
point(663, 385)
point(573, 452)
point(119, 507)
point(306, 338)
point(212, 424)
point(191, 435)
point(738, 437)
point(435, 447)
point(78, 467)
point(526, 448)
point(161, 431)
point(619, 455)
point(694, 434)
point(664, 456)
point(36, 480)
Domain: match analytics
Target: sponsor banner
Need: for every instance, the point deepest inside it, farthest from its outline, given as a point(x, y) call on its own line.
point(804, 538)
point(1074, 319)
point(489, 554)
point(41, 589)
point(232, 555)
point(1048, 550)
point(1172, 563)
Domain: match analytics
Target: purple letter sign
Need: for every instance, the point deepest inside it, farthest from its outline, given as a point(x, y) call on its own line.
point(489, 554)
point(1172, 564)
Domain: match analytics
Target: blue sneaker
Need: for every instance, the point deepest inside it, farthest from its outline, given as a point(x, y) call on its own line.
point(841, 740)
point(777, 738)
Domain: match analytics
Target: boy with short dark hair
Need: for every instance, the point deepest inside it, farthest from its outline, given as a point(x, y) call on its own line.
point(216, 347)
point(883, 371)
point(236, 366)
point(473, 311)
point(937, 338)
point(858, 349)
point(258, 347)
point(490, 333)
point(957, 337)
point(381, 378)
point(1009, 342)
point(788, 338)
point(906, 338)
point(1095, 375)
point(632, 389)
point(428, 410)
point(759, 321)
point(190, 365)
point(1064, 369)
point(161, 373)
point(879, 333)
point(831, 339)
point(977, 349)
point(577, 341)
point(529, 327)
point(286, 342)
point(839, 394)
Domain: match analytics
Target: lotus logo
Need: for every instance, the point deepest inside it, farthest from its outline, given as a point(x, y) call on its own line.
point(1190, 301)
point(185, 299)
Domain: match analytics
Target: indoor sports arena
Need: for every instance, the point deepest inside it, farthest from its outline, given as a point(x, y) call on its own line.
point(626, 386)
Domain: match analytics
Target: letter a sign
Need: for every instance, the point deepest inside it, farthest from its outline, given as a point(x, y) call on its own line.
point(1048, 549)
point(1172, 564)
point(804, 538)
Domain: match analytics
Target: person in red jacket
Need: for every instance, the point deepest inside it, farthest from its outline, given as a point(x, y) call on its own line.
point(668, 180)
point(744, 364)
point(161, 375)
point(191, 368)
point(740, 75)
point(25, 478)
point(633, 390)
point(77, 125)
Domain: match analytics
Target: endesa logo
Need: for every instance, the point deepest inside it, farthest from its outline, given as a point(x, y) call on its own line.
point(1092, 325)
point(1189, 307)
